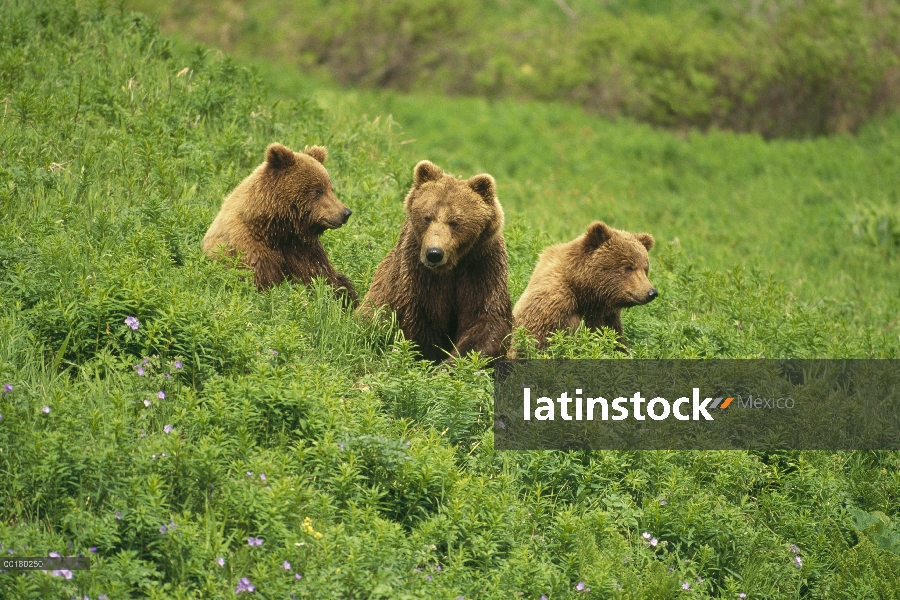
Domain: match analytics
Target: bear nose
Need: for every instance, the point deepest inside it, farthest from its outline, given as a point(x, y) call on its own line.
point(652, 294)
point(434, 255)
point(346, 214)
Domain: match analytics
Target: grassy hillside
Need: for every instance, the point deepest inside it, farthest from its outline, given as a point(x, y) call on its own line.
point(793, 68)
point(228, 415)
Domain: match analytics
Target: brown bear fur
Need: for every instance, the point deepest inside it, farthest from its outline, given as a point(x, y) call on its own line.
point(447, 276)
point(275, 216)
point(592, 278)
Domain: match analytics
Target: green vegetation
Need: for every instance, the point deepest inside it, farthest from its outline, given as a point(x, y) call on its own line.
point(777, 67)
point(228, 414)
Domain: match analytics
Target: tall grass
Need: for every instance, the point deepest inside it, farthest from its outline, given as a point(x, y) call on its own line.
point(229, 415)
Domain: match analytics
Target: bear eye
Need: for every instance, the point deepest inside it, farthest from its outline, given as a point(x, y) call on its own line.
point(629, 269)
point(319, 191)
point(453, 224)
point(428, 219)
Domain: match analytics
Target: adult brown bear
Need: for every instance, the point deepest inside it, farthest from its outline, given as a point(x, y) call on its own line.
point(446, 278)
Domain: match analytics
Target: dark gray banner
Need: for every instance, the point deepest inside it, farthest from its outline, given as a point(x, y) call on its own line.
point(792, 404)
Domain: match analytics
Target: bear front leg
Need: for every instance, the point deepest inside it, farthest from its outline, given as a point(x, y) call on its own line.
point(344, 289)
point(487, 334)
point(484, 321)
point(267, 268)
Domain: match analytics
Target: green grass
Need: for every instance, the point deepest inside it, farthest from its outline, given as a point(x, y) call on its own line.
point(114, 161)
point(782, 68)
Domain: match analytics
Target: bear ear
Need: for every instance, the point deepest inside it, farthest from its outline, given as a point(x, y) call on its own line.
point(320, 153)
point(598, 233)
point(646, 239)
point(484, 186)
point(426, 171)
point(279, 156)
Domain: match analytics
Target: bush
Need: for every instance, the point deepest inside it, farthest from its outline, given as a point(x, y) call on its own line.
point(782, 68)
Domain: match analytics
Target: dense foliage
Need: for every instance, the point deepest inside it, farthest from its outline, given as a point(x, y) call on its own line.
point(197, 438)
point(778, 67)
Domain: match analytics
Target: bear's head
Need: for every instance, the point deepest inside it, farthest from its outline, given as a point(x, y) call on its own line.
point(609, 267)
point(450, 216)
point(295, 192)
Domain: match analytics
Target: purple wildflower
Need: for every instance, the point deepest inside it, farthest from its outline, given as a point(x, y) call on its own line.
point(167, 376)
point(580, 586)
point(119, 515)
point(646, 535)
point(92, 549)
point(671, 569)
point(178, 364)
point(132, 322)
point(62, 573)
point(742, 596)
point(162, 528)
point(163, 455)
point(428, 577)
point(147, 403)
point(254, 541)
point(140, 371)
point(699, 580)
point(543, 596)
point(685, 586)
point(341, 446)
point(298, 576)
point(145, 361)
point(798, 562)
point(244, 585)
point(7, 388)
point(795, 549)
point(274, 352)
point(249, 473)
point(286, 565)
point(262, 476)
point(161, 395)
point(102, 597)
point(220, 561)
point(153, 457)
point(500, 424)
point(45, 410)
point(167, 428)
point(653, 542)
point(663, 501)
point(53, 554)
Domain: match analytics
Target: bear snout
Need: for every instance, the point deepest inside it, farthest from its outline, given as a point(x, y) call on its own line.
point(652, 294)
point(345, 215)
point(434, 256)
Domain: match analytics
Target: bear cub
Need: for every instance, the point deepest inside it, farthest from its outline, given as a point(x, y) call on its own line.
point(446, 278)
point(592, 278)
point(274, 219)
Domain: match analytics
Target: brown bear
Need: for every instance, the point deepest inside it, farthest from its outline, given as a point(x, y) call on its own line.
point(275, 216)
point(592, 277)
point(446, 278)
